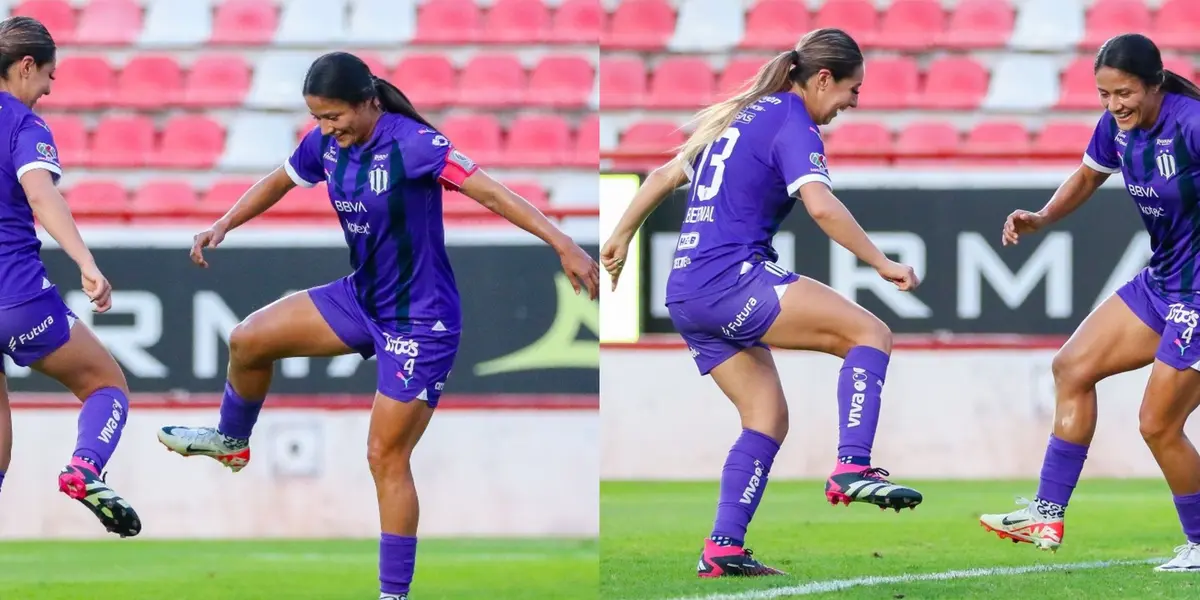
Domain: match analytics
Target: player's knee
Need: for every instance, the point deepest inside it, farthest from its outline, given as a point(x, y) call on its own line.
point(1072, 370)
point(244, 344)
point(875, 334)
point(386, 459)
point(1157, 428)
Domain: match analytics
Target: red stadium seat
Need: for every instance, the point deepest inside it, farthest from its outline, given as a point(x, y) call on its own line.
point(1180, 65)
point(478, 136)
point(577, 21)
point(245, 23)
point(224, 193)
point(98, 198)
point(622, 82)
point(891, 83)
point(70, 138)
point(149, 81)
point(561, 81)
point(217, 81)
point(304, 203)
point(648, 137)
point(459, 208)
point(1063, 141)
point(123, 142)
point(681, 82)
point(538, 141)
point(911, 25)
point(190, 142)
point(640, 25)
point(927, 138)
point(1078, 87)
point(979, 24)
point(493, 81)
point(516, 22)
point(375, 63)
point(1107, 18)
point(166, 198)
point(775, 25)
point(109, 23)
point(81, 82)
point(1176, 24)
point(448, 22)
point(531, 191)
point(736, 75)
point(429, 80)
point(954, 83)
point(56, 15)
point(1003, 142)
point(856, 17)
point(587, 143)
point(858, 144)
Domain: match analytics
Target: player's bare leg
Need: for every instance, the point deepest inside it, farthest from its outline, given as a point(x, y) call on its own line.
point(1111, 340)
point(6, 432)
point(290, 326)
point(815, 317)
point(395, 429)
point(87, 369)
point(1171, 397)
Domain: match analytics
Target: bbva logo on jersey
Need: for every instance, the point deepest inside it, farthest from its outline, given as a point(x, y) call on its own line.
point(379, 179)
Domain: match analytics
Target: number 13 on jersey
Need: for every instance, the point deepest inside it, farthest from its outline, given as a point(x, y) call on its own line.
point(717, 162)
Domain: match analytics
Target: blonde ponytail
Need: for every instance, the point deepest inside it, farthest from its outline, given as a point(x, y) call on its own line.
point(713, 121)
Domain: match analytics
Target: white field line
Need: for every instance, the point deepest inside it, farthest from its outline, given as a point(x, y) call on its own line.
point(833, 585)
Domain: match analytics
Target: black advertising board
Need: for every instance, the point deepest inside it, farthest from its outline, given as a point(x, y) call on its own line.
point(524, 329)
point(1044, 285)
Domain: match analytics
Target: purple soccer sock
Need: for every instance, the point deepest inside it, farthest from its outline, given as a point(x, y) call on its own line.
point(238, 415)
point(101, 421)
point(1060, 471)
point(397, 561)
point(1189, 516)
point(743, 482)
point(860, 384)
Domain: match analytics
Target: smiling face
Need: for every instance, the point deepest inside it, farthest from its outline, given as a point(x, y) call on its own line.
point(827, 97)
point(348, 124)
point(1130, 101)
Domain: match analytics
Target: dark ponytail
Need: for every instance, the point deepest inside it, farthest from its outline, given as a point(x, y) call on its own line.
point(392, 100)
point(344, 76)
point(1178, 84)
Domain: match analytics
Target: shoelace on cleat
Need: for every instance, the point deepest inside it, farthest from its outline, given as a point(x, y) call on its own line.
point(875, 473)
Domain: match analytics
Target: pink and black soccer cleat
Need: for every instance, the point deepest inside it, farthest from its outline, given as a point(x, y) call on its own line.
point(856, 483)
point(731, 561)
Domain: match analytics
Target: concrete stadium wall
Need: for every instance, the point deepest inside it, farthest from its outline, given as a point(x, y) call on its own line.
point(946, 414)
point(479, 473)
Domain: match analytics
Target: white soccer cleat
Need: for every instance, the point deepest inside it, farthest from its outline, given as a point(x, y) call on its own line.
point(1187, 559)
point(1027, 524)
point(206, 441)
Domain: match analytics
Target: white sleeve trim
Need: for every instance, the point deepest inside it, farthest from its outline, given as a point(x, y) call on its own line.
point(795, 185)
point(687, 167)
point(296, 178)
point(39, 164)
point(1095, 166)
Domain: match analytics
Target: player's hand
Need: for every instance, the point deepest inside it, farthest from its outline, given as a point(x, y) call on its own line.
point(579, 266)
point(613, 256)
point(1021, 221)
point(903, 276)
point(209, 238)
point(96, 286)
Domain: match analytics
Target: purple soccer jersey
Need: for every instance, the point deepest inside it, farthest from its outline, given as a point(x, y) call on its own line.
point(387, 193)
point(31, 146)
point(743, 186)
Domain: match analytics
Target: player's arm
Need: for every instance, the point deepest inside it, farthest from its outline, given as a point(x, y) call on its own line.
point(261, 196)
point(657, 186)
point(1073, 193)
point(496, 197)
point(836, 221)
point(51, 210)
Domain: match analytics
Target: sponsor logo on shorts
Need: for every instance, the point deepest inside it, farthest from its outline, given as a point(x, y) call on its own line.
point(401, 346)
point(1180, 314)
point(740, 318)
point(693, 351)
point(25, 338)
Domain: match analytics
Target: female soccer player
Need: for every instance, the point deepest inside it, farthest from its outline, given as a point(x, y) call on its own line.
point(747, 161)
point(1150, 133)
point(36, 327)
point(385, 166)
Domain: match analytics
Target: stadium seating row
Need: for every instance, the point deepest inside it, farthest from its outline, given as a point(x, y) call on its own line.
point(196, 141)
point(863, 143)
point(181, 23)
point(152, 80)
point(96, 199)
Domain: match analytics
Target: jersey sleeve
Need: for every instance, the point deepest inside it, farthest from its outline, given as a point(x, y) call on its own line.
point(33, 148)
point(798, 154)
point(304, 166)
point(431, 154)
point(1102, 154)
